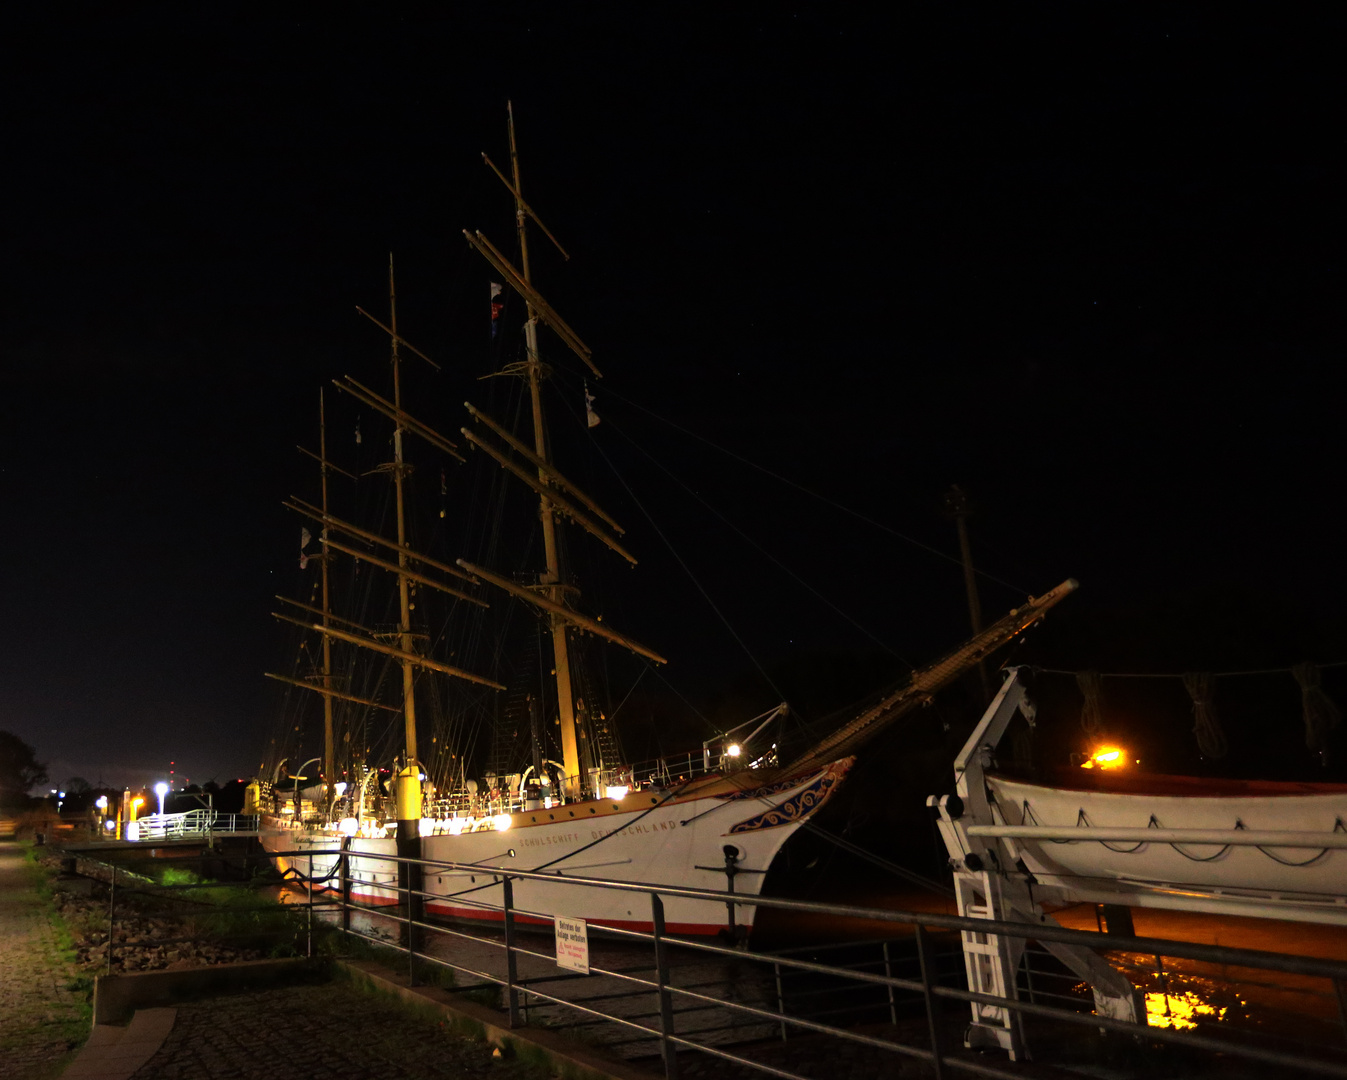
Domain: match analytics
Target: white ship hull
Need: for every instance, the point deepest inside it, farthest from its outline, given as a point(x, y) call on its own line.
point(675, 838)
point(1303, 883)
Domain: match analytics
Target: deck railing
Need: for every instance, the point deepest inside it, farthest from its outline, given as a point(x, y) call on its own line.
point(193, 823)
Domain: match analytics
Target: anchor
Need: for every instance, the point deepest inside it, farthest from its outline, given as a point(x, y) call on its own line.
point(737, 935)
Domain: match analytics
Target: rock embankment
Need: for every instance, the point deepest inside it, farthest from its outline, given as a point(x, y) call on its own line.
point(145, 940)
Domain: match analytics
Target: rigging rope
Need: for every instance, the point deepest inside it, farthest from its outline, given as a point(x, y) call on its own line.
point(812, 494)
point(691, 576)
point(1321, 715)
point(1091, 713)
point(749, 540)
point(1211, 739)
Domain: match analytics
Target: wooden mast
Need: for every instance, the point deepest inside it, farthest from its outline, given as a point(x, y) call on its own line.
point(329, 743)
point(409, 782)
point(572, 782)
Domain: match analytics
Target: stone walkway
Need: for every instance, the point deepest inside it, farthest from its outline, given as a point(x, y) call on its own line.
point(312, 1032)
point(41, 1014)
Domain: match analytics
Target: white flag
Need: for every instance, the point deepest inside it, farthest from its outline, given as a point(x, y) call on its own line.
point(591, 417)
point(304, 538)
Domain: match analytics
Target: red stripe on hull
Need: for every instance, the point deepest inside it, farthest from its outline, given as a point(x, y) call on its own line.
point(495, 915)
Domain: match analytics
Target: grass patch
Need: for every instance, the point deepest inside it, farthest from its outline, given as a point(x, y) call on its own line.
point(72, 1025)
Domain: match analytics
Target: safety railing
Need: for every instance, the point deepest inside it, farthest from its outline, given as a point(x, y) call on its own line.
point(1047, 1006)
point(910, 987)
point(192, 823)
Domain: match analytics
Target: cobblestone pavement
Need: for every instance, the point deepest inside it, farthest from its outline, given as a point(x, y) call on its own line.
point(41, 1015)
point(307, 1032)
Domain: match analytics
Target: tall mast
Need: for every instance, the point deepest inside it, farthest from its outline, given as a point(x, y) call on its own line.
point(572, 782)
point(329, 745)
point(404, 597)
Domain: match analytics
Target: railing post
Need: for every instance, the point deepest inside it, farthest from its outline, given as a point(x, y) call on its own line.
point(1029, 977)
point(112, 916)
point(511, 962)
point(345, 883)
point(309, 929)
point(411, 942)
point(937, 1062)
point(666, 1019)
point(888, 974)
point(780, 1000)
point(1340, 991)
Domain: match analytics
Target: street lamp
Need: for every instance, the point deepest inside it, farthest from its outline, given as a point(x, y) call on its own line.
point(161, 789)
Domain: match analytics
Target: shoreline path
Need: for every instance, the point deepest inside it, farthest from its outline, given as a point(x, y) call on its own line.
point(42, 1019)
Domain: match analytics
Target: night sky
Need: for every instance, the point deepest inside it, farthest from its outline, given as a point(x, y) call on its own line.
point(1080, 261)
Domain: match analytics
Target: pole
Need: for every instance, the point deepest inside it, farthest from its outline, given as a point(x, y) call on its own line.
point(956, 505)
point(781, 999)
point(409, 777)
point(511, 961)
point(572, 782)
point(937, 1062)
point(329, 743)
point(888, 974)
point(345, 881)
point(112, 915)
point(666, 1019)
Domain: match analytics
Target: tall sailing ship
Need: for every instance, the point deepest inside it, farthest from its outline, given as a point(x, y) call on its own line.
point(568, 803)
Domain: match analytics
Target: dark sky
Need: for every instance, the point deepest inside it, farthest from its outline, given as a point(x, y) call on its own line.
point(1081, 261)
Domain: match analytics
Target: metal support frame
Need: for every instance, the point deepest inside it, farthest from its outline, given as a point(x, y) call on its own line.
point(989, 884)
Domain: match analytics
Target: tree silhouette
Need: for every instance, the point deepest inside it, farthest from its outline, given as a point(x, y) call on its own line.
point(19, 769)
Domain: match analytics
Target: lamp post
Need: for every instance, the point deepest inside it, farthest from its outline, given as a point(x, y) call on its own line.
point(161, 789)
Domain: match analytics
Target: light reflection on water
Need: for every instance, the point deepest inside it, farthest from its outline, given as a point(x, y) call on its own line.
point(1179, 1011)
point(1180, 1000)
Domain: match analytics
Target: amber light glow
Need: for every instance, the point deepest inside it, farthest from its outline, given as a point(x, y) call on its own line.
point(1106, 757)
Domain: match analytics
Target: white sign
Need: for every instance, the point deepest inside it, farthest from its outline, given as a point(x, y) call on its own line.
point(573, 944)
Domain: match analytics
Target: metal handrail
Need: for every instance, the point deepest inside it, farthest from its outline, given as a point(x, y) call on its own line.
point(925, 985)
point(1216, 954)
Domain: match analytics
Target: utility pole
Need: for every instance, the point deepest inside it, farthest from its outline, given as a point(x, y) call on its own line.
point(956, 506)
